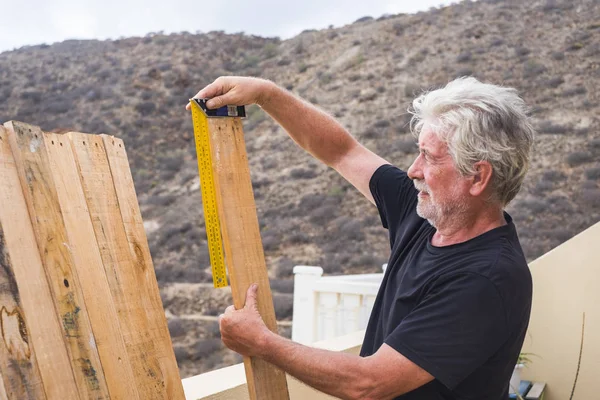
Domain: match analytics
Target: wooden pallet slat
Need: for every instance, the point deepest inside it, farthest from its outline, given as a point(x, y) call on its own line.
point(127, 280)
point(142, 259)
point(39, 327)
point(17, 356)
point(242, 244)
point(29, 149)
point(88, 263)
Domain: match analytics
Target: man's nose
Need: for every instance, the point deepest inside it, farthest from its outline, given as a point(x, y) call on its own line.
point(414, 171)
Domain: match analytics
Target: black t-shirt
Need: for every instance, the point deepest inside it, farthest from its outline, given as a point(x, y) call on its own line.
point(460, 312)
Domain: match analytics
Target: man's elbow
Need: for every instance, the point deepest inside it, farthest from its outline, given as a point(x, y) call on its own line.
point(363, 388)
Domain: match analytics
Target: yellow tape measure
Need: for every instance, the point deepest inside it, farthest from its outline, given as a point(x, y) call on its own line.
point(209, 195)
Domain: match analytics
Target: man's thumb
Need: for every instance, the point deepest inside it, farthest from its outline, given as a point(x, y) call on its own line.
point(251, 295)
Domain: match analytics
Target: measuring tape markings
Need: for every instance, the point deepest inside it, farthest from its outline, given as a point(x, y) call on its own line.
point(209, 195)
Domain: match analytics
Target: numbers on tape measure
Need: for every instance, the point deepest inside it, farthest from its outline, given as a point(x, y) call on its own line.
point(209, 196)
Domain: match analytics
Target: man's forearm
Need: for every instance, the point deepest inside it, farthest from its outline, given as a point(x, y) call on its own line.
point(314, 130)
point(335, 373)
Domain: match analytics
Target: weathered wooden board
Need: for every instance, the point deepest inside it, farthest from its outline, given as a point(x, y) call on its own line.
point(242, 244)
point(21, 378)
point(88, 263)
point(140, 253)
point(28, 145)
point(127, 279)
point(37, 350)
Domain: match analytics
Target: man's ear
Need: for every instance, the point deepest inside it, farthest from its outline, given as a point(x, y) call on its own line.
point(482, 178)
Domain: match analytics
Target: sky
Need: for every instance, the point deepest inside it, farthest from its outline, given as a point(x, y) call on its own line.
point(35, 22)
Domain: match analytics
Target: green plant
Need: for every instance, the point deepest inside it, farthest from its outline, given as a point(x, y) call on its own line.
point(524, 358)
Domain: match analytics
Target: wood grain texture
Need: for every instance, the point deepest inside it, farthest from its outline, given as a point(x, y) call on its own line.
point(39, 331)
point(127, 280)
point(88, 263)
point(29, 149)
point(20, 374)
point(140, 254)
point(242, 244)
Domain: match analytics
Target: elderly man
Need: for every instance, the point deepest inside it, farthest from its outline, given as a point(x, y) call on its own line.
point(453, 308)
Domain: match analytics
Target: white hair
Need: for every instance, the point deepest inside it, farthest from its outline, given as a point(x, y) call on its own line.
point(480, 122)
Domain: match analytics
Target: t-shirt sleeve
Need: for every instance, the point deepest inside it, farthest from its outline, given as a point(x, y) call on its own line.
point(394, 194)
point(455, 329)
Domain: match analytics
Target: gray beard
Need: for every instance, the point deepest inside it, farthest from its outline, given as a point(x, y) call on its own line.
point(438, 215)
point(421, 213)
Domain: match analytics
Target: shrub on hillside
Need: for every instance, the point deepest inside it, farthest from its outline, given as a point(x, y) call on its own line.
point(550, 128)
point(145, 108)
point(533, 69)
point(298, 238)
point(181, 354)
point(553, 175)
point(364, 260)
point(464, 57)
point(323, 214)
point(204, 348)
point(303, 173)
point(535, 206)
point(522, 51)
point(589, 199)
point(270, 241)
point(554, 82)
point(282, 285)
point(579, 157)
point(398, 28)
point(284, 268)
point(176, 327)
point(593, 173)
point(270, 50)
point(496, 41)
point(284, 305)
point(572, 91)
point(405, 145)
point(556, 5)
point(162, 201)
point(348, 228)
point(170, 161)
point(594, 146)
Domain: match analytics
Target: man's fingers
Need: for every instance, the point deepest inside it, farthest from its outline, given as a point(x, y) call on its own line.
point(251, 296)
point(229, 309)
point(212, 90)
point(220, 101)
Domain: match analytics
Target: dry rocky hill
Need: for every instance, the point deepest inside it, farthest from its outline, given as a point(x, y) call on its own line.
point(365, 74)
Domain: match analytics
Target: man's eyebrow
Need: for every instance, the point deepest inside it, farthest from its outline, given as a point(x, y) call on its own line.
point(425, 151)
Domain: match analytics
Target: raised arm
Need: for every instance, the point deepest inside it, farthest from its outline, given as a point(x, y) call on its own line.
point(314, 130)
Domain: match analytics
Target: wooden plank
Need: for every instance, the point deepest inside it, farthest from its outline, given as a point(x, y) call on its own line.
point(242, 244)
point(20, 377)
point(3, 394)
point(28, 144)
point(140, 253)
point(126, 279)
point(88, 263)
point(21, 262)
point(17, 358)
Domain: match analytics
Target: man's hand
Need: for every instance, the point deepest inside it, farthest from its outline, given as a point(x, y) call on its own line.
point(244, 331)
point(234, 90)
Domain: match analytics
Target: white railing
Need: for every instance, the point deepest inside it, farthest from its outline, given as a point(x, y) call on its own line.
point(329, 306)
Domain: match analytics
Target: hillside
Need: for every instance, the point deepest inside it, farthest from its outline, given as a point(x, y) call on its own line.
point(365, 74)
